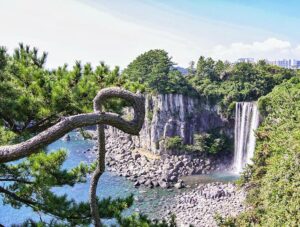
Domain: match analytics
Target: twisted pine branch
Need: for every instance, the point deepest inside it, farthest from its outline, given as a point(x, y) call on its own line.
point(31, 146)
point(99, 118)
point(139, 115)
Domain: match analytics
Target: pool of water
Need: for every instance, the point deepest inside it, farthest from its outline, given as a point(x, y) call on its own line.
point(110, 185)
point(148, 201)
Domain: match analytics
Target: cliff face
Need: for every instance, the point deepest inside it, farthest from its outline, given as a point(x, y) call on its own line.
point(172, 115)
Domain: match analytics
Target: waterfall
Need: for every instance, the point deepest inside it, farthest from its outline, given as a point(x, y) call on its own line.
point(246, 122)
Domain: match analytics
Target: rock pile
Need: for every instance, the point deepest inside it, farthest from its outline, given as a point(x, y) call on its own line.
point(163, 172)
point(200, 205)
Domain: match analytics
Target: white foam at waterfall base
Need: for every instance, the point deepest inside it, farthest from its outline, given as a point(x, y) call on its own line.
point(246, 122)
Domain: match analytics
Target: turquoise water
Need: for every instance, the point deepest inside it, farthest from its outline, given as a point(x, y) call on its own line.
point(110, 185)
point(147, 201)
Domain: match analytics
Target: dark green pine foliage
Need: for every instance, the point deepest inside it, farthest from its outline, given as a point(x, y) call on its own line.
point(30, 183)
point(32, 99)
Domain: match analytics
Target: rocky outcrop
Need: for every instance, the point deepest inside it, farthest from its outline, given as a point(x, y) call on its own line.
point(172, 115)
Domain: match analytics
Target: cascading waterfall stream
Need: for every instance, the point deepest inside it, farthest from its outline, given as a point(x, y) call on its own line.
point(246, 122)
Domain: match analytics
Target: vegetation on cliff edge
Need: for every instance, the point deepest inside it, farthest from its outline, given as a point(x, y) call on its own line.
point(273, 181)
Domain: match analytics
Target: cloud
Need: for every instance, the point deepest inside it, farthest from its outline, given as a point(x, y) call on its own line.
point(271, 48)
point(71, 30)
point(75, 30)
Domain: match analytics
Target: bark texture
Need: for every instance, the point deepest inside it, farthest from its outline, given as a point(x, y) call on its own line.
point(99, 118)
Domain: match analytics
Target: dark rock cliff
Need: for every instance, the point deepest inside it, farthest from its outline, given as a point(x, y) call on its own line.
point(172, 115)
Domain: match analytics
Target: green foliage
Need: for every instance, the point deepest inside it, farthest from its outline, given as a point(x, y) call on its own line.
point(6, 136)
point(32, 181)
point(224, 84)
point(34, 98)
point(148, 63)
point(173, 143)
point(274, 179)
point(154, 72)
point(213, 142)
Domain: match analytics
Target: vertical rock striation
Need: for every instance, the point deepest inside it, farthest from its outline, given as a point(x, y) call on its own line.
point(169, 115)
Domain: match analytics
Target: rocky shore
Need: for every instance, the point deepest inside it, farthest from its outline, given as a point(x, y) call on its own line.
point(195, 206)
point(152, 170)
point(200, 206)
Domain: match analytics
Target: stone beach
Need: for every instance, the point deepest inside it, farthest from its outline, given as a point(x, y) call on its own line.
point(199, 206)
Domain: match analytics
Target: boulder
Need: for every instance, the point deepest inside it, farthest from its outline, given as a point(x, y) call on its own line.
point(135, 156)
point(179, 185)
point(136, 184)
point(164, 184)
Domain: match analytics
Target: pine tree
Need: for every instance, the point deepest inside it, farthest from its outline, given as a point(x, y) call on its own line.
point(32, 99)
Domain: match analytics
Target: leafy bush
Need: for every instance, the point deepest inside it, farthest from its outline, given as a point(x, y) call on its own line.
point(274, 179)
point(211, 143)
point(174, 143)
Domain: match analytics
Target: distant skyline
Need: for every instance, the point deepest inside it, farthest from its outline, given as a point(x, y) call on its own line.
point(117, 31)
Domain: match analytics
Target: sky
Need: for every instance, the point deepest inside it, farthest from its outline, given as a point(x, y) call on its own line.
point(117, 31)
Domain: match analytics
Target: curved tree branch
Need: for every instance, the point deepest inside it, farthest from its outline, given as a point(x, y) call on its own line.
point(99, 100)
point(21, 150)
point(26, 148)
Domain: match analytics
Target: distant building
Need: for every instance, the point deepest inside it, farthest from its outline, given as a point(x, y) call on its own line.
point(296, 64)
point(284, 63)
point(287, 63)
point(245, 60)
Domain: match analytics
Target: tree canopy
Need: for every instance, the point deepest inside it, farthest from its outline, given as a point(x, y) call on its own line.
point(224, 84)
point(155, 73)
